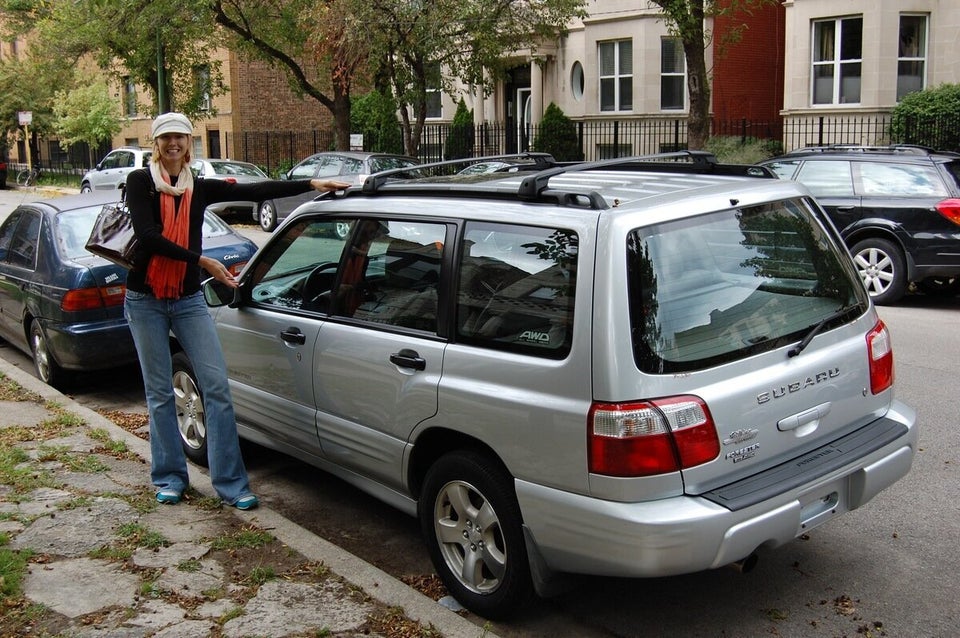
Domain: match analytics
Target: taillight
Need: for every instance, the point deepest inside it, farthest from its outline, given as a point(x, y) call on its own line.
point(950, 208)
point(230, 180)
point(92, 298)
point(235, 268)
point(880, 353)
point(650, 437)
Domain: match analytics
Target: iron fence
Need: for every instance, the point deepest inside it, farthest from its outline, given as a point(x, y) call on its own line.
point(277, 151)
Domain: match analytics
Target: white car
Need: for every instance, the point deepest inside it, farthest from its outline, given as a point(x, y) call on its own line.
point(230, 171)
point(111, 173)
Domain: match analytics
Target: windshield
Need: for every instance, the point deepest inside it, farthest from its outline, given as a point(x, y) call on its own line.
point(734, 283)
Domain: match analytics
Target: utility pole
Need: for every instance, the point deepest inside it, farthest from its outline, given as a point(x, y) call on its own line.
point(162, 106)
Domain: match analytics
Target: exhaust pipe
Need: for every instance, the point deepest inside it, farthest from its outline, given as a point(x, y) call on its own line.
point(745, 565)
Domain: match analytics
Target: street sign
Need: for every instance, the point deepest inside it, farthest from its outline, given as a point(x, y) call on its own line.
point(26, 117)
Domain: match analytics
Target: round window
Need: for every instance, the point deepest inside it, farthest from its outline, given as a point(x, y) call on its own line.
point(576, 81)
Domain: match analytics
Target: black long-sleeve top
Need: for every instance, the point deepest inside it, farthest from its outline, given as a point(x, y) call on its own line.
point(144, 202)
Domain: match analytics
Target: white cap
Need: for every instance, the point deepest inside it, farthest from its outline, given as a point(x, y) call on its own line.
point(171, 123)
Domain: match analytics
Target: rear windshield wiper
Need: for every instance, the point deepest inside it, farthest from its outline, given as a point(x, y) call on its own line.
point(814, 331)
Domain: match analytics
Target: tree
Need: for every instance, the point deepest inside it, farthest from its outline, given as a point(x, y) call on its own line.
point(155, 43)
point(558, 136)
point(685, 20)
point(374, 116)
point(424, 46)
point(459, 142)
point(34, 95)
point(321, 46)
point(86, 114)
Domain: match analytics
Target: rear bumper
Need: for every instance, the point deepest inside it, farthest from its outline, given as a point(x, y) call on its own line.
point(91, 346)
point(241, 208)
point(580, 534)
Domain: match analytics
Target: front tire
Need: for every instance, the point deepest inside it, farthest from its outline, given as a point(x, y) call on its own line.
point(882, 269)
point(191, 418)
point(268, 216)
point(471, 521)
point(48, 370)
point(85, 188)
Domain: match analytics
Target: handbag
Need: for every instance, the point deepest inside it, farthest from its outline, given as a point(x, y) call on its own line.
point(112, 236)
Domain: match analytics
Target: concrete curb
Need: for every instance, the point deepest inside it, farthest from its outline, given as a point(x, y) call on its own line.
point(376, 583)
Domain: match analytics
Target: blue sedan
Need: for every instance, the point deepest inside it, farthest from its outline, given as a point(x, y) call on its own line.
point(64, 306)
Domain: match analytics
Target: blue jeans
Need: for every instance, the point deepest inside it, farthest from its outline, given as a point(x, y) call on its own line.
point(151, 321)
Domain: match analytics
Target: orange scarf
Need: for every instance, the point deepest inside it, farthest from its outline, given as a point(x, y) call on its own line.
point(165, 275)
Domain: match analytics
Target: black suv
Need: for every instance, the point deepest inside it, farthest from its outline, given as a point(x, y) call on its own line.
point(897, 209)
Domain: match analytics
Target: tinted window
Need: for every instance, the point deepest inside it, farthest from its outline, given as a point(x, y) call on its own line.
point(720, 287)
point(306, 169)
point(517, 288)
point(827, 178)
point(23, 245)
point(900, 180)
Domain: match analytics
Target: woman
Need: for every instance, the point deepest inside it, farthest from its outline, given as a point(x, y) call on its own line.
point(166, 207)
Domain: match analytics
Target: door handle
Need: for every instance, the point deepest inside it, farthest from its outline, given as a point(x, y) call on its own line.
point(844, 209)
point(293, 335)
point(407, 358)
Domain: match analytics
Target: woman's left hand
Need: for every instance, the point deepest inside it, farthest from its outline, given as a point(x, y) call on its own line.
point(218, 271)
point(328, 185)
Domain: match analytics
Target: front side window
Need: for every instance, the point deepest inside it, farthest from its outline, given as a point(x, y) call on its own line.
point(373, 270)
point(734, 283)
point(673, 74)
point(911, 55)
point(516, 288)
point(837, 52)
point(616, 75)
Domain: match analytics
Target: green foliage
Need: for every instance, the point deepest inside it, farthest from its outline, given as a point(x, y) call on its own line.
point(86, 114)
point(929, 118)
point(374, 116)
point(736, 150)
point(460, 137)
point(557, 135)
point(13, 566)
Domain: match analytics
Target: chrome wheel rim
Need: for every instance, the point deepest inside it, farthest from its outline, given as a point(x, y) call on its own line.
point(876, 270)
point(190, 415)
point(470, 537)
point(41, 356)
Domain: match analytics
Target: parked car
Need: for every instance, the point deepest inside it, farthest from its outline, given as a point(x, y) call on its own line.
point(353, 167)
point(111, 173)
point(64, 306)
point(897, 208)
point(632, 368)
point(3, 174)
point(230, 171)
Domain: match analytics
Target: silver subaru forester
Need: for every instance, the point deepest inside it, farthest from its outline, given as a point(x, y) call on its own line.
point(638, 367)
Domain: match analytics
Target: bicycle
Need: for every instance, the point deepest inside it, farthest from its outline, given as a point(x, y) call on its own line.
point(28, 177)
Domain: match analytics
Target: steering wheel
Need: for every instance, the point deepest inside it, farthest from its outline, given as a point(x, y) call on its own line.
point(319, 281)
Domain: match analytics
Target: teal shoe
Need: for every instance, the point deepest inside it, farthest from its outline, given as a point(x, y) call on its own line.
point(247, 502)
point(168, 497)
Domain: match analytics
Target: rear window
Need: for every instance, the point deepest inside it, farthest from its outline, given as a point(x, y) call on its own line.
point(720, 287)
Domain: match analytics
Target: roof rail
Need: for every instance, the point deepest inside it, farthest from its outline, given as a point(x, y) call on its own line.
point(907, 149)
point(540, 161)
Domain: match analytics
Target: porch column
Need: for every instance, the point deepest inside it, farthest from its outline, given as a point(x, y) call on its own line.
point(536, 92)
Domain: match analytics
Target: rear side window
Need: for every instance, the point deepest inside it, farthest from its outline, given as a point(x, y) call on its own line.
point(734, 283)
point(900, 180)
point(827, 178)
point(516, 288)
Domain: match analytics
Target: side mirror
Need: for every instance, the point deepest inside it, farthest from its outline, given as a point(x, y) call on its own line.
point(219, 294)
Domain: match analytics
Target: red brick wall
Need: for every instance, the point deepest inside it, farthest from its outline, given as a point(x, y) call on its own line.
point(264, 101)
point(748, 76)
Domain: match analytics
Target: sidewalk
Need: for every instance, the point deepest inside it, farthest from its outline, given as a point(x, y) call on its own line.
point(106, 561)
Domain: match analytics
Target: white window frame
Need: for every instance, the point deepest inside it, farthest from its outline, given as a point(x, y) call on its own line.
point(129, 97)
point(669, 74)
point(908, 59)
point(836, 64)
point(622, 71)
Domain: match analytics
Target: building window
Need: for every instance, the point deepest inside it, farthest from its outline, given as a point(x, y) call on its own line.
point(673, 74)
point(616, 75)
point(911, 55)
point(201, 79)
point(837, 50)
point(576, 81)
point(434, 96)
point(129, 97)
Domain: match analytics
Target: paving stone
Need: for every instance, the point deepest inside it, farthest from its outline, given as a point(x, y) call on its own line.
point(169, 556)
point(192, 584)
point(157, 614)
point(24, 413)
point(43, 501)
point(94, 483)
point(80, 586)
point(78, 531)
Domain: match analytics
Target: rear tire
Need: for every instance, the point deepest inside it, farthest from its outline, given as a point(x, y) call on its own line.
point(191, 418)
point(882, 268)
point(940, 286)
point(268, 216)
point(471, 521)
point(48, 370)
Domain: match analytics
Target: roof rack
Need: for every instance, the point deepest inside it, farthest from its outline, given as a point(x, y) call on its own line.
point(535, 187)
point(539, 162)
point(906, 149)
